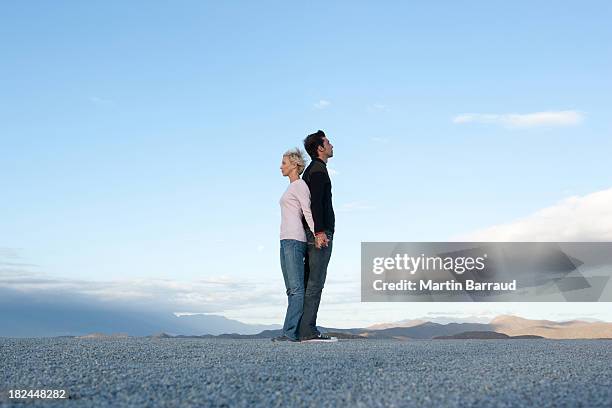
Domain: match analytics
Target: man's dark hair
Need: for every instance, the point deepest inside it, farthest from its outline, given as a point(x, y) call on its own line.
point(312, 142)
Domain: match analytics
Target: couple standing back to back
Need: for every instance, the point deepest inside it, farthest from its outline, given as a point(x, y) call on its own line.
point(306, 237)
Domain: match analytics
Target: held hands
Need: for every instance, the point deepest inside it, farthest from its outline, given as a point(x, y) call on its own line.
point(321, 241)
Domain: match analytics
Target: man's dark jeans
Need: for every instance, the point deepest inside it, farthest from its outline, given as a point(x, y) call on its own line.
point(315, 272)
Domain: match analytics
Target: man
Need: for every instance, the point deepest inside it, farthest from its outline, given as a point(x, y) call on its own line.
point(319, 250)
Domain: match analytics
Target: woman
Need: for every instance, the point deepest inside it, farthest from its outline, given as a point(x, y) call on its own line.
point(294, 203)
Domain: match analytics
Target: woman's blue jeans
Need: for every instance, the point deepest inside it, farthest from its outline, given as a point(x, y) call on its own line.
point(292, 254)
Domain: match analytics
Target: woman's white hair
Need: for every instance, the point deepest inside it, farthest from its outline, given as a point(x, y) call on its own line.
point(297, 157)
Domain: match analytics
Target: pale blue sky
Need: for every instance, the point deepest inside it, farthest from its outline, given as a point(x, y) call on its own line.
point(142, 140)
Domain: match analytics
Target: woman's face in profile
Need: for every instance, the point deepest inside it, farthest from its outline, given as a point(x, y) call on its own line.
point(286, 166)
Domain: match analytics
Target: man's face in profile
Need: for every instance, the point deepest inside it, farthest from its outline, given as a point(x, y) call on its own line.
point(328, 148)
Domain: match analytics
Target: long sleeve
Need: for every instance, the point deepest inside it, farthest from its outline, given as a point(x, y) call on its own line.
point(303, 195)
point(317, 189)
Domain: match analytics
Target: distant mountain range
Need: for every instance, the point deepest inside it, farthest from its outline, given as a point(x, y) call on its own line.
point(573, 329)
point(501, 327)
point(52, 323)
point(26, 315)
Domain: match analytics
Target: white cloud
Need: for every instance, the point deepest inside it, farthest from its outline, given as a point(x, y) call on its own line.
point(576, 218)
point(322, 104)
point(332, 172)
point(12, 253)
point(252, 299)
point(179, 314)
point(377, 107)
point(213, 294)
point(518, 120)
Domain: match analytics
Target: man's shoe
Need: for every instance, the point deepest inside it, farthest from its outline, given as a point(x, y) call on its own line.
point(285, 338)
point(320, 338)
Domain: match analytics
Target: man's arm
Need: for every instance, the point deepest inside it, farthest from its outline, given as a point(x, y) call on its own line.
point(317, 188)
point(303, 196)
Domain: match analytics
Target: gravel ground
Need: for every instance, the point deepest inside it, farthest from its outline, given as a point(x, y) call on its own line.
point(260, 373)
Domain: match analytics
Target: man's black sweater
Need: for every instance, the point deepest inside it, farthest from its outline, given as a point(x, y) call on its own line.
point(319, 183)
